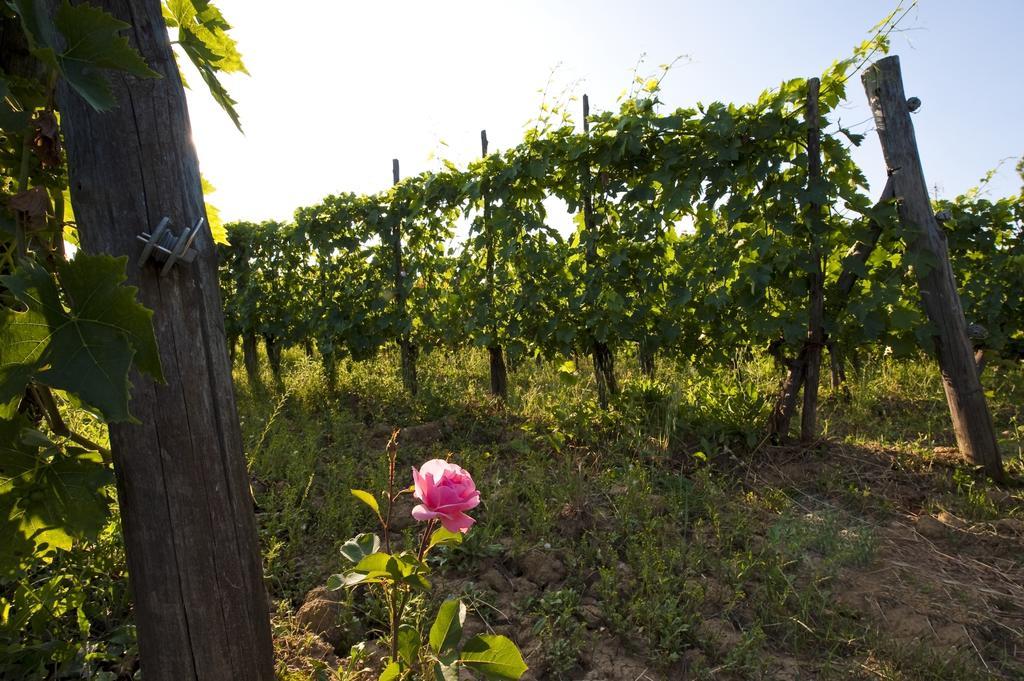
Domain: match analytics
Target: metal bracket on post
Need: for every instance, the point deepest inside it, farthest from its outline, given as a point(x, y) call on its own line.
point(164, 247)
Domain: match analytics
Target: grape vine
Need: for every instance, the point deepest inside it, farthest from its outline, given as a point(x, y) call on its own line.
point(699, 243)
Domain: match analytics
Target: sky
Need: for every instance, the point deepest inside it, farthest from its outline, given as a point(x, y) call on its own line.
point(338, 89)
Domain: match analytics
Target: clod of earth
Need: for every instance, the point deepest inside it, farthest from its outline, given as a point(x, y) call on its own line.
point(607, 660)
point(930, 527)
point(327, 615)
point(718, 635)
point(543, 569)
point(1010, 526)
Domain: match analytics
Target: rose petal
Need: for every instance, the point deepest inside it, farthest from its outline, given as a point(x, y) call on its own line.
point(417, 482)
point(459, 522)
point(435, 468)
point(421, 512)
point(460, 504)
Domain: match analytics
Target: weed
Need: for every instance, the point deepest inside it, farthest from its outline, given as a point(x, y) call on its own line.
point(558, 626)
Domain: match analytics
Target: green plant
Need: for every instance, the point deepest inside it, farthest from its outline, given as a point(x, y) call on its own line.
point(397, 576)
point(558, 626)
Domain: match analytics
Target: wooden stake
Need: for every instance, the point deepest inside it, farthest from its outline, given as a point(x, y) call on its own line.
point(193, 554)
point(972, 423)
point(815, 324)
point(405, 345)
point(499, 372)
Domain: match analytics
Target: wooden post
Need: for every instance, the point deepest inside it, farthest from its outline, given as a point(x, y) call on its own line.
point(405, 344)
point(785, 403)
point(838, 370)
point(499, 374)
point(250, 357)
point(186, 513)
point(816, 320)
point(604, 360)
point(646, 357)
point(273, 348)
point(972, 423)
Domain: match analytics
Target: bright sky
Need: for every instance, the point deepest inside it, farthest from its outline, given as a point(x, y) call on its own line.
point(338, 89)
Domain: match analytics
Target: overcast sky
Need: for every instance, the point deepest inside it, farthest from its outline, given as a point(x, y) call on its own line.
point(338, 89)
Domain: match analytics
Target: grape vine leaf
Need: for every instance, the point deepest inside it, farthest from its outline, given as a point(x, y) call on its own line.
point(85, 343)
point(217, 230)
point(92, 42)
point(38, 29)
point(48, 497)
point(204, 29)
point(95, 43)
point(202, 35)
point(11, 118)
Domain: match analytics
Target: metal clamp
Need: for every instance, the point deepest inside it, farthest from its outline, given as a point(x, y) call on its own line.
point(167, 248)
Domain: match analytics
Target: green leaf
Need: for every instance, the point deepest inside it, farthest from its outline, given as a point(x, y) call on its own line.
point(445, 672)
point(81, 338)
point(11, 120)
point(442, 536)
point(94, 43)
point(391, 673)
point(446, 631)
point(417, 581)
point(39, 29)
point(49, 498)
point(367, 499)
point(202, 35)
point(204, 28)
point(408, 644)
point(567, 373)
point(217, 229)
point(360, 546)
point(375, 562)
point(496, 657)
point(217, 90)
point(351, 579)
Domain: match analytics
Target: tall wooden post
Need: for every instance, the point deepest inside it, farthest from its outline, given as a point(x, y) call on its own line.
point(972, 423)
point(604, 360)
point(190, 535)
point(499, 374)
point(405, 345)
point(816, 307)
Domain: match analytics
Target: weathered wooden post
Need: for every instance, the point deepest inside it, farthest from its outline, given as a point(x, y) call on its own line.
point(972, 423)
point(190, 535)
point(499, 374)
point(816, 318)
point(406, 348)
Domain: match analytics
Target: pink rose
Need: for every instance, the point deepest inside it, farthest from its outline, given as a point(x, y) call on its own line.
point(447, 492)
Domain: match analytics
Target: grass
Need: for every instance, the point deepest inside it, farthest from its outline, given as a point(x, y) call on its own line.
point(657, 508)
point(676, 542)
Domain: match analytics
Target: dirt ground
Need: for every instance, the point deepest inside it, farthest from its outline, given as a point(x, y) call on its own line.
point(937, 583)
